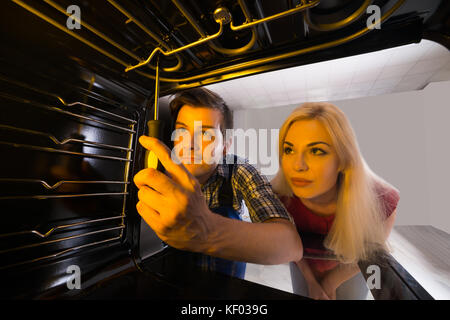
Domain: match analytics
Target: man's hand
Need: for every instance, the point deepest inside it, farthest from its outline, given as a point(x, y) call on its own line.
point(173, 207)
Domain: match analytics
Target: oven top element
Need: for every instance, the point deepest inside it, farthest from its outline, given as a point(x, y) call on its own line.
point(203, 42)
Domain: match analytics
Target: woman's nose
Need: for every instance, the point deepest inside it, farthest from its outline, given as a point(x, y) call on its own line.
point(300, 164)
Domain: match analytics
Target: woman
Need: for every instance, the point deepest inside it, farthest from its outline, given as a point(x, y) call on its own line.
point(331, 192)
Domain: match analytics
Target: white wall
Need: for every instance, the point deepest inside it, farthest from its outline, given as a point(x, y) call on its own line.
point(402, 136)
point(437, 119)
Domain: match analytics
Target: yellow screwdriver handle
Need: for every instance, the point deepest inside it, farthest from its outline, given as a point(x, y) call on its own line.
point(155, 128)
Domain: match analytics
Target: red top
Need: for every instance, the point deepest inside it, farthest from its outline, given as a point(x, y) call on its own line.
point(309, 222)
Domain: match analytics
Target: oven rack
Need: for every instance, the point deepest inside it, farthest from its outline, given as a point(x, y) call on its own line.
point(24, 245)
point(60, 110)
point(58, 229)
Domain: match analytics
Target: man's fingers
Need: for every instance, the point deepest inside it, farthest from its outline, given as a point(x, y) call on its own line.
point(152, 199)
point(156, 180)
point(149, 215)
point(177, 171)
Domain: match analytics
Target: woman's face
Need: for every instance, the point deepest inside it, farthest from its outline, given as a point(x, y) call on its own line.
point(308, 154)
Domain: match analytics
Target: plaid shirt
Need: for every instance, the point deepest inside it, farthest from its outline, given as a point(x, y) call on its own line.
point(248, 186)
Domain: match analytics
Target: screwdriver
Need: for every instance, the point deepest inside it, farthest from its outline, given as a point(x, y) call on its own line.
point(154, 127)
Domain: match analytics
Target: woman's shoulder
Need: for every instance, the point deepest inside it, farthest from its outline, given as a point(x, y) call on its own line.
point(294, 205)
point(388, 195)
point(291, 203)
point(288, 201)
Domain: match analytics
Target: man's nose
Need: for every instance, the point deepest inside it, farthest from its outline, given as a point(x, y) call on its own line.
point(300, 163)
point(196, 141)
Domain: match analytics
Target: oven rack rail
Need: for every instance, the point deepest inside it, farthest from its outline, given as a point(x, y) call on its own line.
point(59, 183)
point(65, 112)
point(38, 244)
point(56, 141)
point(58, 229)
point(59, 99)
point(65, 141)
point(65, 251)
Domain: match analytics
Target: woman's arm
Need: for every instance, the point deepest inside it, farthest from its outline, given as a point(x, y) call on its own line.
point(389, 224)
point(344, 272)
point(338, 276)
point(315, 290)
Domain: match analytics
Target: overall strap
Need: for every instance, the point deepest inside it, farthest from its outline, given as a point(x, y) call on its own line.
point(232, 268)
point(226, 191)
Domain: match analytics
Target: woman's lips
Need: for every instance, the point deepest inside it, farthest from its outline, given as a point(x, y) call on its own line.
point(300, 182)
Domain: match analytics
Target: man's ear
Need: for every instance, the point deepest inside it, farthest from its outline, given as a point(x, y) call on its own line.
point(227, 144)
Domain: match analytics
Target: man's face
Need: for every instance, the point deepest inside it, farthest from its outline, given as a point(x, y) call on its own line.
point(198, 140)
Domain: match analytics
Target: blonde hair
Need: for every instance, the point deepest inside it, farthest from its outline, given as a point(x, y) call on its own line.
point(358, 230)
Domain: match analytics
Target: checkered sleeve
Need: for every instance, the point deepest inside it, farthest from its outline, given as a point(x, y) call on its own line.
point(261, 201)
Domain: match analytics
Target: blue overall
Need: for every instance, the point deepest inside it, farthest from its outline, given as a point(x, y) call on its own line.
point(233, 268)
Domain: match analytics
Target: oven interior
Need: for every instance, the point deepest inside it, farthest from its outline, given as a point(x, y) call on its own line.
point(71, 113)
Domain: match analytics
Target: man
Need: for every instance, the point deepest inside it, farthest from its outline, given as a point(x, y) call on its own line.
point(184, 206)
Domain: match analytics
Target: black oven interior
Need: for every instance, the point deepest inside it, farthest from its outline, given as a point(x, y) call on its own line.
point(71, 114)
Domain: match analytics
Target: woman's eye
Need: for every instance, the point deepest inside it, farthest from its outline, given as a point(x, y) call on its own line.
point(288, 150)
point(318, 152)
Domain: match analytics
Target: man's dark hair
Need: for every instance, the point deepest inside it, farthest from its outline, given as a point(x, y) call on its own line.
point(204, 98)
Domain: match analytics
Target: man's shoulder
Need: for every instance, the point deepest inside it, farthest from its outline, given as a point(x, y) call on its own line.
point(234, 159)
point(243, 169)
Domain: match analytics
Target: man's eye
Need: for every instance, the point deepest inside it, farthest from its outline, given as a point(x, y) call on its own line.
point(288, 150)
point(180, 131)
point(319, 153)
point(208, 135)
